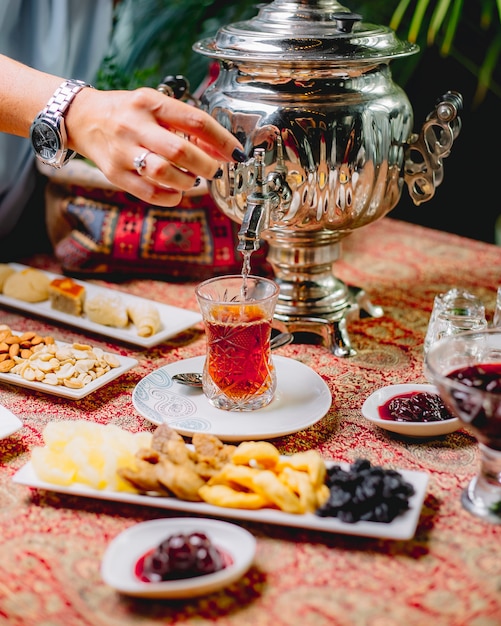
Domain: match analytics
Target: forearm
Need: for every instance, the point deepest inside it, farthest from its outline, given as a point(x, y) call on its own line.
point(23, 94)
point(116, 128)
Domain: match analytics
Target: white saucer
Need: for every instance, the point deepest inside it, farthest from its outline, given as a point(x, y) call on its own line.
point(302, 398)
point(122, 554)
point(409, 429)
point(9, 423)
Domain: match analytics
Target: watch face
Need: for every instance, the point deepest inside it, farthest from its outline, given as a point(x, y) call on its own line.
point(45, 140)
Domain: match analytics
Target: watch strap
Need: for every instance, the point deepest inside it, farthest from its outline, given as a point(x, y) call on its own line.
point(62, 97)
point(54, 112)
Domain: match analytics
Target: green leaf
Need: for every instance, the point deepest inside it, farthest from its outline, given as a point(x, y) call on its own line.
point(452, 25)
point(417, 19)
point(486, 70)
point(398, 14)
point(437, 19)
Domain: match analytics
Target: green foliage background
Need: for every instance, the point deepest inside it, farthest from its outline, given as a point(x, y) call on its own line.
point(154, 38)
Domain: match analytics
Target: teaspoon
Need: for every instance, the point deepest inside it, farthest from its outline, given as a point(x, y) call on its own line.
point(194, 379)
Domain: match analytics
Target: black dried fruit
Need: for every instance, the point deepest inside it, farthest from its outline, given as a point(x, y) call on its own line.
point(365, 493)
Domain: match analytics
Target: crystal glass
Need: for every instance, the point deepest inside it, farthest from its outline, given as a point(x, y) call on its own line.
point(454, 312)
point(466, 369)
point(496, 320)
point(239, 374)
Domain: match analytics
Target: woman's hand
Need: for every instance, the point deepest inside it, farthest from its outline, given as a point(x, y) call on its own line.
point(145, 142)
point(149, 144)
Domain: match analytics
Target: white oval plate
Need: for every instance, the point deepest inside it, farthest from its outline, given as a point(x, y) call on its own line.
point(301, 399)
point(173, 319)
point(401, 528)
point(409, 429)
point(122, 554)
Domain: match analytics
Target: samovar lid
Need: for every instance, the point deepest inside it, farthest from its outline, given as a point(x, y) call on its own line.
point(305, 31)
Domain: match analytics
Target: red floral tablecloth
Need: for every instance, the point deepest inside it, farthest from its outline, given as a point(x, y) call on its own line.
point(449, 574)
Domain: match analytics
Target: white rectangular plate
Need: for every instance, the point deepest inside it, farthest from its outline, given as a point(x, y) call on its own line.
point(403, 527)
point(9, 423)
point(174, 319)
point(126, 363)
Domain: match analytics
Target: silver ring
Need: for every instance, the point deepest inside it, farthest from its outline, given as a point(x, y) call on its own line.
point(140, 162)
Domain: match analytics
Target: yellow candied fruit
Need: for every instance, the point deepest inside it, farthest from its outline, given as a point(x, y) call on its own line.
point(87, 453)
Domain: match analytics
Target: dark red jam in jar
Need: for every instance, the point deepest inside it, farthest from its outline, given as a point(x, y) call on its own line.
point(182, 555)
point(415, 406)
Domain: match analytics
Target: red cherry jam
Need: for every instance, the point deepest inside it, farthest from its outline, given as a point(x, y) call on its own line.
point(182, 555)
point(482, 414)
point(414, 406)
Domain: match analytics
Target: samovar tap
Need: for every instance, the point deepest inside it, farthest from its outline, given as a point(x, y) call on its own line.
point(267, 203)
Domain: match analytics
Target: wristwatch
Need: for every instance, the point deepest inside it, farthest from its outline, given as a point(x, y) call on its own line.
point(48, 132)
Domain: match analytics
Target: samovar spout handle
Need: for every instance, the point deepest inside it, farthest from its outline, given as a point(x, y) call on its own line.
point(255, 218)
point(249, 235)
point(423, 170)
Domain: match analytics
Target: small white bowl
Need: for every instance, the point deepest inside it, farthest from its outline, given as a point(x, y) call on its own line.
point(409, 429)
point(123, 553)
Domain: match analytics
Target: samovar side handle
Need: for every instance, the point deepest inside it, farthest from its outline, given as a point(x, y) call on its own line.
point(423, 168)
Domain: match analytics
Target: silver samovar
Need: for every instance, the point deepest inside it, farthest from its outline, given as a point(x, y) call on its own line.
point(306, 87)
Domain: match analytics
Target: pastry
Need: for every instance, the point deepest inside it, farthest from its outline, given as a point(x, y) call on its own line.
point(5, 271)
point(30, 285)
point(67, 296)
point(107, 309)
point(145, 317)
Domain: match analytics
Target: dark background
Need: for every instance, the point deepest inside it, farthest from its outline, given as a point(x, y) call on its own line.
point(466, 203)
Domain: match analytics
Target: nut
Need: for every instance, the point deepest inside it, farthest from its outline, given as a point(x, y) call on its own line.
point(37, 358)
point(7, 365)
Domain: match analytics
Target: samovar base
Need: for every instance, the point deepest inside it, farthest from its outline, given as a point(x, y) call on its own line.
point(312, 299)
point(332, 327)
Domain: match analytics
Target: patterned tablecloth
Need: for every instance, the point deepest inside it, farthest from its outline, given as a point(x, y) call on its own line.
point(449, 574)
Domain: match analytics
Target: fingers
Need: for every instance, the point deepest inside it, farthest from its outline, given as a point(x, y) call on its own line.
point(174, 155)
point(150, 145)
point(200, 127)
point(187, 137)
point(160, 170)
point(155, 180)
point(147, 191)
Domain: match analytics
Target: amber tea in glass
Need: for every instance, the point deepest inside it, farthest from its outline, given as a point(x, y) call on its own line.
point(237, 310)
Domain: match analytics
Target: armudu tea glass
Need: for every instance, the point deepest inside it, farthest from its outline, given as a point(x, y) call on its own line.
point(237, 311)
